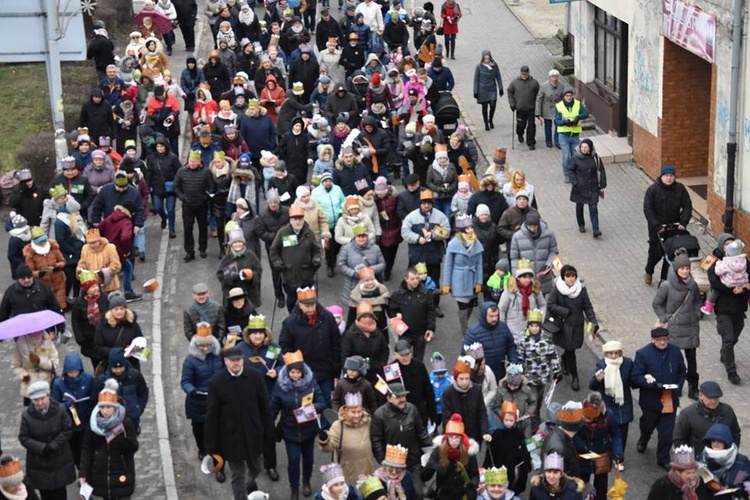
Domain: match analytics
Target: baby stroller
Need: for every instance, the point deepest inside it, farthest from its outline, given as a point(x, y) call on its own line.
point(675, 241)
point(446, 112)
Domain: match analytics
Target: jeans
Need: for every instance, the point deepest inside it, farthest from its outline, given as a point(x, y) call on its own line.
point(568, 143)
point(294, 452)
point(166, 202)
point(191, 214)
point(444, 205)
point(526, 122)
point(126, 274)
point(593, 214)
point(548, 124)
point(169, 39)
point(326, 388)
point(729, 328)
point(664, 425)
point(243, 475)
point(139, 240)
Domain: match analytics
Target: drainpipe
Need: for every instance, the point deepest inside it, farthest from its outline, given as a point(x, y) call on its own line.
point(728, 218)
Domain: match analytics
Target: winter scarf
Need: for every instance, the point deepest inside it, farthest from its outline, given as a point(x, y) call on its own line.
point(92, 308)
point(597, 424)
point(202, 310)
point(724, 459)
point(22, 494)
point(467, 241)
point(613, 386)
point(22, 233)
point(395, 490)
point(526, 291)
point(459, 389)
point(247, 18)
point(238, 253)
point(569, 291)
point(688, 489)
point(221, 171)
point(42, 249)
point(102, 425)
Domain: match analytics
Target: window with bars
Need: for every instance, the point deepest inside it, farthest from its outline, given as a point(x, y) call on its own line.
point(607, 36)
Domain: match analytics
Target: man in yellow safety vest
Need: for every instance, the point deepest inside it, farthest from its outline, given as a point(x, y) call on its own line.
point(568, 115)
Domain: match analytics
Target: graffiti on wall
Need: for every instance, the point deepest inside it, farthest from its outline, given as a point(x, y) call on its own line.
point(644, 86)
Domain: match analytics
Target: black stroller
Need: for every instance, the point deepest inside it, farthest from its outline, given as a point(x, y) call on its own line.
point(446, 112)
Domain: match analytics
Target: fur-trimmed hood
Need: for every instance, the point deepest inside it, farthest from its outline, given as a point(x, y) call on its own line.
point(513, 287)
point(365, 421)
point(537, 480)
point(264, 162)
point(473, 445)
point(195, 351)
point(286, 384)
point(263, 112)
point(267, 340)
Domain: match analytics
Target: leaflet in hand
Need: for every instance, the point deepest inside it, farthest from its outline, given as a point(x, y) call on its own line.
point(305, 414)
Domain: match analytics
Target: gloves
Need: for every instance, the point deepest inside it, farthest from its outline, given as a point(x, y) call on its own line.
point(34, 358)
point(446, 290)
point(477, 288)
point(42, 272)
point(323, 435)
point(198, 395)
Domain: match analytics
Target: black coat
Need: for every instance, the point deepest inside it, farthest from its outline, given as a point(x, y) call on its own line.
point(109, 467)
point(293, 150)
point(218, 79)
point(374, 348)
point(187, 12)
point(393, 426)
point(450, 483)
point(487, 235)
point(298, 263)
point(269, 224)
point(508, 448)
point(470, 405)
point(306, 72)
point(325, 30)
point(83, 330)
point(575, 312)
point(78, 187)
point(288, 185)
point(417, 382)
point(229, 274)
point(494, 200)
point(238, 416)
point(291, 106)
point(727, 302)
point(320, 343)
point(121, 335)
point(408, 201)
point(102, 51)
point(28, 202)
point(587, 178)
point(666, 204)
point(98, 118)
point(49, 461)
point(161, 169)
point(695, 420)
point(191, 185)
point(663, 489)
point(562, 444)
point(19, 300)
point(416, 307)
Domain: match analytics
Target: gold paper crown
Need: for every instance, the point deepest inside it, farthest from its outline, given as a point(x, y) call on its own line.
point(351, 201)
point(570, 414)
point(464, 178)
point(426, 194)
point(87, 276)
point(293, 357)
point(455, 425)
point(296, 211)
point(441, 147)
point(219, 155)
point(57, 191)
point(203, 329)
point(36, 232)
point(420, 267)
point(509, 407)
point(496, 476)
point(371, 486)
point(396, 455)
point(359, 229)
point(534, 316)
point(524, 267)
point(256, 322)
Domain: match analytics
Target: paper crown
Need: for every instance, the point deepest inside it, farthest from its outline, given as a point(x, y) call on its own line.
point(464, 178)
point(352, 399)
point(364, 308)
point(499, 156)
point(293, 357)
point(333, 40)
point(455, 425)
point(553, 461)
point(359, 229)
point(514, 369)
point(509, 407)
point(438, 362)
point(395, 455)
point(68, 163)
point(372, 488)
point(524, 267)
point(534, 316)
point(425, 195)
point(256, 322)
point(57, 191)
point(87, 278)
point(362, 185)
point(92, 235)
point(570, 413)
point(475, 350)
point(37, 232)
point(441, 147)
point(107, 396)
point(592, 405)
point(365, 273)
point(463, 221)
point(203, 329)
point(307, 294)
point(420, 267)
point(351, 201)
point(194, 155)
point(683, 458)
point(83, 131)
point(130, 144)
point(296, 211)
point(11, 473)
point(218, 156)
point(332, 474)
point(496, 476)
point(462, 366)
point(298, 87)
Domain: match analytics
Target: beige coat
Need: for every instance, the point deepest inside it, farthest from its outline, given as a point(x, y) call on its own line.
point(316, 218)
point(345, 228)
point(356, 450)
point(104, 257)
point(40, 344)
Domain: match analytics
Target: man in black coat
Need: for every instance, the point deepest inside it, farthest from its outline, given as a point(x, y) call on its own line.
point(192, 183)
point(569, 422)
point(28, 294)
point(75, 183)
point(269, 222)
point(377, 145)
point(416, 307)
point(187, 12)
point(27, 198)
point(326, 29)
point(666, 201)
point(304, 70)
point(490, 195)
point(466, 399)
point(96, 114)
point(239, 422)
point(101, 50)
point(408, 199)
point(695, 420)
point(416, 379)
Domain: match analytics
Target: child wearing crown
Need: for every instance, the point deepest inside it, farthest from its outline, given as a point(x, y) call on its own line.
point(508, 448)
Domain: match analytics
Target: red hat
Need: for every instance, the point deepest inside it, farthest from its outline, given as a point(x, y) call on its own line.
point(375, 80)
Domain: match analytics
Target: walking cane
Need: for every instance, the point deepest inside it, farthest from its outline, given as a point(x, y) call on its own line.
point(489, 450)
point(513, 132)
point(273, 316)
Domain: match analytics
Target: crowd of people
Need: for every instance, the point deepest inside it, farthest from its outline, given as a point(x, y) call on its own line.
point(300, 147)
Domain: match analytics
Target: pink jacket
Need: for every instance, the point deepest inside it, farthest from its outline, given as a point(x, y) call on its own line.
point(732, 270)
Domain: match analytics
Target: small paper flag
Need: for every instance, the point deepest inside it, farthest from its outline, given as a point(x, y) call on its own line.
point(392, 372)
point(381, 386)
point(307, 400)
point(557, 264)
point(273, 352)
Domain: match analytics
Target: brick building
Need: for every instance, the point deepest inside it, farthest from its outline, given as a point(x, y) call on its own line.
point(658, 72)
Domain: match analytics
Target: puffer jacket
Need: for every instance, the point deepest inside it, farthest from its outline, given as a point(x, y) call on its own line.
point(330, 201)
point(287, 396)
point(511, 309)
point(261, 358)
point(297, 263)
point(108, 465)
point(549, 95)
point(99, 177)
point(732, 270)
point(49, 461)
point(161, 168)
point(320, 343)
point(192, 185)
point(540, 248)
point(105, 256)
point(351, 256)
point(727, 303)
point(494, 200)
point(575, 311)
point(562, 444)
point(350, 445)
point(664, 204)
point(391, 425)
point(416, 307)
point(411, 231)
point(600, 435)
point(111, 334)
point(587, 177)
point(679, 302)
point(54, 277)
point(197, 370)
point(79, 388)
point(390, 224)
point(373, 347)
point(49, 360)
point(463, 268)
point(344, 231)
point(117, 228)
point(497, 341)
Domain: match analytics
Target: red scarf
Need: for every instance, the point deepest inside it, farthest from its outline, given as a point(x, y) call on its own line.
point(312, 319)
point(688, 489)
point(526, 292)
point(92, 308)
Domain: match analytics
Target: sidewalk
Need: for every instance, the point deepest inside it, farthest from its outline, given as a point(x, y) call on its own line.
point(613, 265)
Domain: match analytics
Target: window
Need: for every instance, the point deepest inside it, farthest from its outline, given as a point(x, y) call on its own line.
point(607, 35)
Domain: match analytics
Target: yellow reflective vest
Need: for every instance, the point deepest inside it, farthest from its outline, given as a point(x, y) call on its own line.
point(568, 114)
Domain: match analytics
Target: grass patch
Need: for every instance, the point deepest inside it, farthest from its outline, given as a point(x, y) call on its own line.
point(23, 91)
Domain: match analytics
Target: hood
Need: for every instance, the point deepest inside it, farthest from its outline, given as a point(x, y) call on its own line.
point(96, 93)
point(206, 96)
point(286, 384)
point(473, 445)
point(266, 341)
point(486, 52)
point(723, 238)
point(370, 120)
point(272, 78)
point(72, 362)
point(373, 57)
point(191, 59)
point(718, 432)
point(676, 282)
point(125, 68)
point(162, 139)
point(195, 351)
point(483, 314)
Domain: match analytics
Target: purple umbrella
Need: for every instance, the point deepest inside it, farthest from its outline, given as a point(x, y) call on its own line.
point(24, 324)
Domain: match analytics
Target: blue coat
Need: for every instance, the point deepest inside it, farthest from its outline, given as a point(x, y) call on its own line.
point(108, 197)
point(622, 414)
point(79, 388)
point(259, 133)
point(497, 341)
point(666, 366)
point(605, 439)
point(250, 354)
point(439, 385)
point(287, 397)
point(463, 269)
point(133, 390)
point(345, 177)
point(196, 373)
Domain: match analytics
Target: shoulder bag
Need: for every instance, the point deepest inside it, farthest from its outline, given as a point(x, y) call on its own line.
point(661, 324)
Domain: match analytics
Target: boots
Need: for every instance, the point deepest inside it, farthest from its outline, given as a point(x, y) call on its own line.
point(453, 49)
point(574, 383)
point(447, 50)
point(692, 381)
point(463, 320)
point(295, 494)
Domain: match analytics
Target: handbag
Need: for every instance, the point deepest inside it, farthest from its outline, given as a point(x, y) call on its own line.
point(552, 323)
point(602, 464)
point(662, 324)
point(439, 31)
